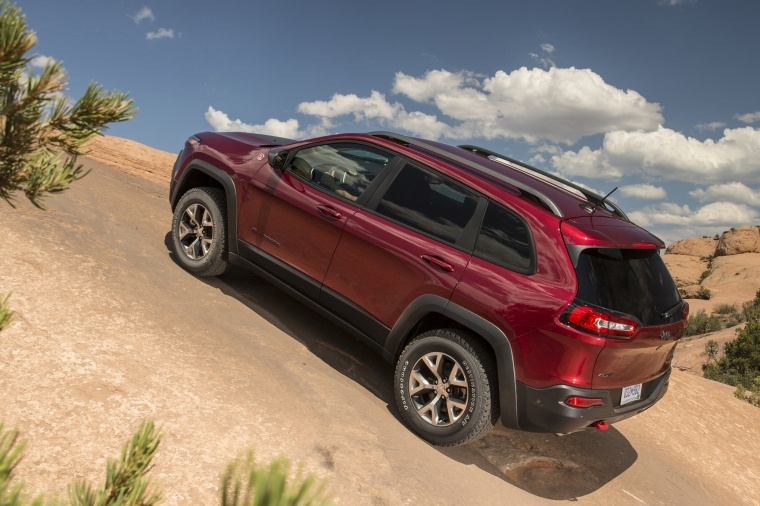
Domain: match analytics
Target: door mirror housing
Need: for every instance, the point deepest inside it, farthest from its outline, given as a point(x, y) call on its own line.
point(277, 157)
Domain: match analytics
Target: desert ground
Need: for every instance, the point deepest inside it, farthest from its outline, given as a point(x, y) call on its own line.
point(110, 331)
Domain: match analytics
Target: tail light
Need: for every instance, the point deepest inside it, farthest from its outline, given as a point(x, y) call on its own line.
point(685, 313)
point(600, 322)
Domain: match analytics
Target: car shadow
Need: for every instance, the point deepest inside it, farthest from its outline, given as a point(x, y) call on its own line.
point(545, 465)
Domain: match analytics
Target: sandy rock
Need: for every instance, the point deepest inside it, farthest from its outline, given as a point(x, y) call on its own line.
point(686, 270)
point(696, 247)
point(132, 157)
point(739, 240)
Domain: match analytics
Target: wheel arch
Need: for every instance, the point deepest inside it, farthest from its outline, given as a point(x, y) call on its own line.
point(431, 311)
point(203, 174)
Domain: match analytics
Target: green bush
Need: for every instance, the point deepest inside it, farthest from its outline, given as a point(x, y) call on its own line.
point(729, 314)
point(703, 293)
point(701, 323)
point(740, 364)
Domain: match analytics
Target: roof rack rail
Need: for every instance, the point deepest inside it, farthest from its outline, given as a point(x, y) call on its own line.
point(593, 197)
point(541, 197)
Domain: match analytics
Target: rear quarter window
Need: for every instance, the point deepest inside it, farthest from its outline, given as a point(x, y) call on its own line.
point(504, 239)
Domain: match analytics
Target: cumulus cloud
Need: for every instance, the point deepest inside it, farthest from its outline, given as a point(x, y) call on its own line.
point(733, 191)
point(161, 33)
point(644, 192)
point(221, 122)
point(375, 108)
point(142, 15)
point(748, 118)
point(716, 214)
point(665, 154)
point(558, 105)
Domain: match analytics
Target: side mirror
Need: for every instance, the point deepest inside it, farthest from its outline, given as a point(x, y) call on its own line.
point(277, 157)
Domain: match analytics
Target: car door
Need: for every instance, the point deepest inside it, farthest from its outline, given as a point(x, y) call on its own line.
point(293, 217)
point(414, 238)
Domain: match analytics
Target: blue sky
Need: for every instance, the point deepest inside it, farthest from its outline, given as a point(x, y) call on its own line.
point(657, 97)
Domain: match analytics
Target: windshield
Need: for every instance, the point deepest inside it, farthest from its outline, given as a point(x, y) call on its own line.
point(634, 282)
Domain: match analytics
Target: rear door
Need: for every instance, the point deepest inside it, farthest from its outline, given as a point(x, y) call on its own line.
point(414, 238)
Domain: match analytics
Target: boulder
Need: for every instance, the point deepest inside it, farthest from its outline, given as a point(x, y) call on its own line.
point(697, 247)
point(739, 240)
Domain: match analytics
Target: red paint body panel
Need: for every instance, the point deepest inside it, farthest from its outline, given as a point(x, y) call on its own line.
point(378, 265)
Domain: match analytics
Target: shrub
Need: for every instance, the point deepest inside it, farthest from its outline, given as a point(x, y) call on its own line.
point(703, 293)
point(729, 314)
point(701, 323)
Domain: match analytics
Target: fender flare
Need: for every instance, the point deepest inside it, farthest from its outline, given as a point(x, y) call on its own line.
point(225, 180)
point(492, 334)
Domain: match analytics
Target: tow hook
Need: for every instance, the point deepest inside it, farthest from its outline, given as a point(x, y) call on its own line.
point(600, 424)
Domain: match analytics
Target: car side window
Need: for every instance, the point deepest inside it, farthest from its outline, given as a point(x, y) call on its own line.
point(428, 203)
point(344, 169)
point(505, 240)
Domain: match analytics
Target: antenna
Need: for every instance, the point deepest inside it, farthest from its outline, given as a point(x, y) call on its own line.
point(601, 202)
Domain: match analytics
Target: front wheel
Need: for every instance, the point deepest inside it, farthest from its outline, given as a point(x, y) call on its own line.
point(446, 387)
point(199, 231)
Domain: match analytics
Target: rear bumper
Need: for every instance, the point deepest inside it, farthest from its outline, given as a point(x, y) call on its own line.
point(544, 410)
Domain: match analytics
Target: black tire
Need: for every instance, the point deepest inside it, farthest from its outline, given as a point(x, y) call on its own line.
point(199, 231)
point(465, 406)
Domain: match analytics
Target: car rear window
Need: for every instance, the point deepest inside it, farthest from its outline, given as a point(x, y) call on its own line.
point(634, 282)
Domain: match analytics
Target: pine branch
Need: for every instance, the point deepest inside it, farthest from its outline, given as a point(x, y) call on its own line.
point(37, 122)
point(246, 484)
point(126, 480)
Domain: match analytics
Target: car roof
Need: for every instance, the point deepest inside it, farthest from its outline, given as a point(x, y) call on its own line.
point(560, 196)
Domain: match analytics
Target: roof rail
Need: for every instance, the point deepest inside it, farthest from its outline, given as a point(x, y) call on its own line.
point(593, 197)
point(541, 197)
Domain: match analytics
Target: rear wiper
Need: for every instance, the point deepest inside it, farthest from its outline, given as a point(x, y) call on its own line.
point(673, 310)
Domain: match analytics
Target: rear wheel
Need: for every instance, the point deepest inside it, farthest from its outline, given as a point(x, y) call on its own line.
point(446, 387)
point(199, 231)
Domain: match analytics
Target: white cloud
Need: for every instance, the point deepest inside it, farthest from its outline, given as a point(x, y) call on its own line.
point(644, 191)
point(669, 155)
point(545, 59)
point(161, 33)
point(375, 108)
point(714, 125)
point(748, 118)
point(586, 163)
point(220, 122)
point(559, 105)
point(40, 61)
point(143, 14)
point(733, 191)
point(716, 214)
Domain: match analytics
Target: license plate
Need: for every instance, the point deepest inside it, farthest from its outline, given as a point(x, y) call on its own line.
point(630, 394)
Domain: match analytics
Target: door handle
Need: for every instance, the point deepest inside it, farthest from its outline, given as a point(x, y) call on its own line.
point(330, 212)
point(437, 262)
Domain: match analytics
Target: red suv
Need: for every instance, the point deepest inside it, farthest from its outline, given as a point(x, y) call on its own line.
point(497, 289)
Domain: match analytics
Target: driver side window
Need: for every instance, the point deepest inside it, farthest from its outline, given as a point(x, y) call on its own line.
point(343, 169)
